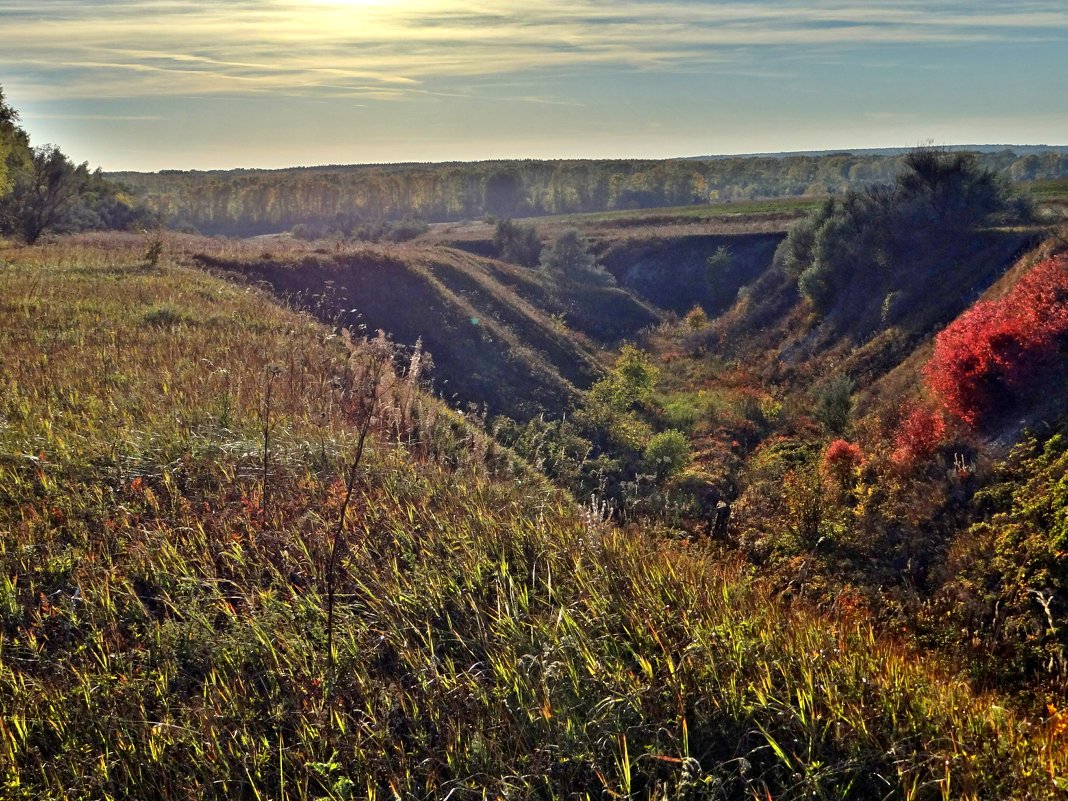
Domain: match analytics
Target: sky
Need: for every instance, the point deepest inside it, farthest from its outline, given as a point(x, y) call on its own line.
point(186, 84)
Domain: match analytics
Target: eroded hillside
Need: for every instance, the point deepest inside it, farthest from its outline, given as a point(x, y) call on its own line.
point(501, 336)
point(856, 409)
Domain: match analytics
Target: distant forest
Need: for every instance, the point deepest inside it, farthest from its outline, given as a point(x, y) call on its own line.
point(345, 200)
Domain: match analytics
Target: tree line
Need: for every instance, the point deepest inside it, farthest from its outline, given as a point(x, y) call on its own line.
point(351, 200)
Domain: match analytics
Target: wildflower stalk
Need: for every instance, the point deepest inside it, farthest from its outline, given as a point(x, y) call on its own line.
point(367, 394)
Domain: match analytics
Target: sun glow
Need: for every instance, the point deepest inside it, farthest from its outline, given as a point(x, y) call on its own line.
point(377, 5)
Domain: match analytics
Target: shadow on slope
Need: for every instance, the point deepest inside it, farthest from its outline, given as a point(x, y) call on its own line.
point(675, 272)
point(502, 337)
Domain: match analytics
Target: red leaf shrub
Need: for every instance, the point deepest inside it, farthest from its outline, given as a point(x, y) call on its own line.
point(840, 460)
point(991, 352)
point(918, 436)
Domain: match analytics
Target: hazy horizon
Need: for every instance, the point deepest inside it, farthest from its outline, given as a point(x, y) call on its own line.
point(156, 84)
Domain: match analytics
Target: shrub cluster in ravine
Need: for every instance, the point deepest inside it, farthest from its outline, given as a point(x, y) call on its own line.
point(841, 460)
point(1006, 576)
point(609, 446)
point(834, 402)
point(919, 435)
point(568, 258)
point(517, 243)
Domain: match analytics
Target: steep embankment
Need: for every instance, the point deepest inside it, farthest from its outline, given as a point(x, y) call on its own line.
point(672, 258)
point(871, 325)
point(194, 605)
point(501, 336)
point(681, 272)
point(1038, 403)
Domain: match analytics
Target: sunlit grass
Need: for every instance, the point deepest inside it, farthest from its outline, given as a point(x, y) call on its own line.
point(794, 206)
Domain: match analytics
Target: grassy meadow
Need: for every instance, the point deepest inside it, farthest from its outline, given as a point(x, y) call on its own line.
point(208, 591)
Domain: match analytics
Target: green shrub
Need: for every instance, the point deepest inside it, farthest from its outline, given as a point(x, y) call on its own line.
point(696, 319)
point(517, 243)
point(569, 257)
point(667, 454)
point(154, 250)
point(834, 403)
point(816, 284)
point(1007, 573)
point(404, 230)
point(164, 316)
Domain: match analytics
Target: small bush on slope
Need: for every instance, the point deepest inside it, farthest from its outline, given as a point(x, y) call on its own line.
point(517, 243)
point(163, 634)
point(918, 437)
point(841, 460)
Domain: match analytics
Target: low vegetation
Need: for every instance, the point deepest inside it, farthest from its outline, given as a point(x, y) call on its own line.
point(802, 534)
point(208, 589)
point(855, 445)
point(994, 352)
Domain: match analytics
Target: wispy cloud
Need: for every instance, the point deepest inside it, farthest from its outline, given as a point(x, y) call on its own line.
point(388, 50)
point(99, 117)
point(279, 82)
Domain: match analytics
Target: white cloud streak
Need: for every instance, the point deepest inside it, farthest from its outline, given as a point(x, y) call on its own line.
point(379, 50)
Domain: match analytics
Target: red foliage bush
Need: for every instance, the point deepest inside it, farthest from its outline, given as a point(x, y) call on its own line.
point(990, 352)
point(918, 436)
point(840, 460)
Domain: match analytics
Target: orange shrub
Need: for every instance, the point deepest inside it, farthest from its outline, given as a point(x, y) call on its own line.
point(840, 459)
point(918, 436)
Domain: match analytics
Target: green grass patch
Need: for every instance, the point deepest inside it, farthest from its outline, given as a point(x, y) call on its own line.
point(692, 213)
point(1054, 189)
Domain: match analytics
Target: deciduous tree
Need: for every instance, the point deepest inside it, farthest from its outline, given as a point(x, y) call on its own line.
point(14, 145)
point(45, 192)
point(569, 257)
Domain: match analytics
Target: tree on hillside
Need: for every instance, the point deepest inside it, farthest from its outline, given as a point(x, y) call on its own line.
point(42, 190)
point(568, 257)
point(851, 253)
point(952, 190)
point(517, 243)
point(14, 145)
